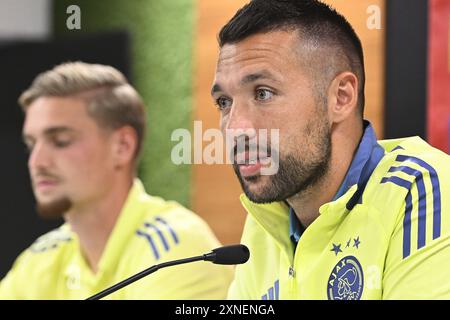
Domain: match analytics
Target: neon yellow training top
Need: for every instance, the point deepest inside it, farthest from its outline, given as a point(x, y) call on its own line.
point(149, 231)
point(386, 235)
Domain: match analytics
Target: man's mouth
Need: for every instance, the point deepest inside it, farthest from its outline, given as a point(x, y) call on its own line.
point(250, 165)
point(249, 170)
point(45, 184)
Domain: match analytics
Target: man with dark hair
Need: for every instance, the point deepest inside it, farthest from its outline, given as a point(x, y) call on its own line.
point(84, 127)
point(345, 216)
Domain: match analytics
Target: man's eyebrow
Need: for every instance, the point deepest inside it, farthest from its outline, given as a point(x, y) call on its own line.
point(216, 88)
point(257, 76)
point(248, 79)
point(59, 129)
point(49, 131)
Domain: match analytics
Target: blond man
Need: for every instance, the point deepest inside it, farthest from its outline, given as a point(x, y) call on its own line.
point(84, 127)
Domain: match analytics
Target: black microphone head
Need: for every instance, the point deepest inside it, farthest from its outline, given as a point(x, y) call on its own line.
point(233, 254)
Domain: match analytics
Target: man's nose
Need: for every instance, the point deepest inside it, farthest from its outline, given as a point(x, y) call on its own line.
point(240, 119)
point(240, 129)
point(40, 157)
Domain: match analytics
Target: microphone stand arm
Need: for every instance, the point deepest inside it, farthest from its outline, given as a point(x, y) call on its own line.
point(144, 273)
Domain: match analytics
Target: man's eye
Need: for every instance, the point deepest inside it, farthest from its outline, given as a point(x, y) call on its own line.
point(28, 148)
point(223, 103)
point(61, 143)
point(263, 94)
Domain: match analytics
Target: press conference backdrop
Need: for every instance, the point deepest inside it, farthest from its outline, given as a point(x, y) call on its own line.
point(19, 64)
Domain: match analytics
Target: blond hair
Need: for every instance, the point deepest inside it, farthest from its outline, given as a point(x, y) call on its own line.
point(110, 100)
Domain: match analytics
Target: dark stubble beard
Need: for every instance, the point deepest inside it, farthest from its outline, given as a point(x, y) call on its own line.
point(55, 209)
point(297, 172)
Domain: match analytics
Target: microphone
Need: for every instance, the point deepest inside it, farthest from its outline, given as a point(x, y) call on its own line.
point(233, 254)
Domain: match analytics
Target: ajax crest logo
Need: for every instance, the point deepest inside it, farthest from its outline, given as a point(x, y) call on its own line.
point(346, 281)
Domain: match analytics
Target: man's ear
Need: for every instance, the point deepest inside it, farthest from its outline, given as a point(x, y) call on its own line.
point(124, 145)
point(343, 97)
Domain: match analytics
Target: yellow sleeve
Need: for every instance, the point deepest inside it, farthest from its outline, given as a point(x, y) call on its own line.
point(195, 280)
point(237, 291)
point(12, 284)
point(418, 259)
point(240, 288)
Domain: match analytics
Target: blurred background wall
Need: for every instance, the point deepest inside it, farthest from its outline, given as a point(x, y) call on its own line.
point(161, 48)
point(168, 50)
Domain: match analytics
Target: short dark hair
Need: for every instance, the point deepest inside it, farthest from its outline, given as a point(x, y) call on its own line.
point(317, 23)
